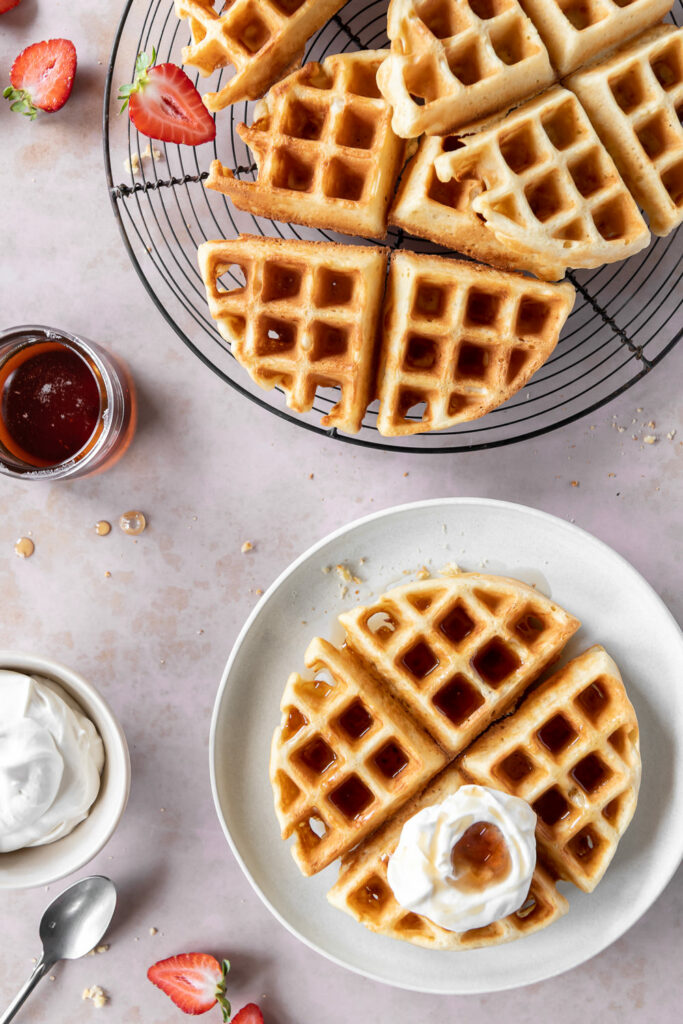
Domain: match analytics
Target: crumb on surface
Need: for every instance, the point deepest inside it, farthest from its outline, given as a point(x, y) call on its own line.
point(575, 483)
point(450, 569)
point(326, 569)
point(423, 573)
point(153, 930)
point(649, 439)
point(97, 996)
point(246, 546)
point(343, 571)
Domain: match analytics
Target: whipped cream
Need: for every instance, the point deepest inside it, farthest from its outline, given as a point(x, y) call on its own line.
point(51, 758)
point(467, 861)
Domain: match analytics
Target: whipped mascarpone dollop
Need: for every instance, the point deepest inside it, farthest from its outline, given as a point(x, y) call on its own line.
point(51, 757)
point(467, 861)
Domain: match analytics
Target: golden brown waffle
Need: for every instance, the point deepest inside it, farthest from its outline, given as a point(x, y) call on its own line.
point(442, 212)
point(459, 339)
point(635, 101)
point(345, 757)
point(326, 154)
point(546, 186)
point(458, 651)
point(262, 39)
point(571, 750)
point(305, 318)
point(362, 889)
point(452, 61)
point(576, 30)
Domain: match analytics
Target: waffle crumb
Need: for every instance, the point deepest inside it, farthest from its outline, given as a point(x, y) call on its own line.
point(343, 571)
point(670, 436)
point(246, 546)
point(423, 573)
point(450, 569)
point(649, 439)
point(575, 483)
point(326, 570)
point(153, 931)
point(132, 164)
point(96, 995)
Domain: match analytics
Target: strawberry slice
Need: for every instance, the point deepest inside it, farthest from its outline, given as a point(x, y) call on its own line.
point(249, 1014)
point(194, 981)
point(7, 5)
point(42, 77)
point(163, 104)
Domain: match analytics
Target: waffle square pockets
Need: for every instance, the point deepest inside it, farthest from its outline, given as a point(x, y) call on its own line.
point(453, 61)
point(300, 316)
point(345, 756)
point(459, 339)
point(635, 101)
point(326, 153)
point(261, 39)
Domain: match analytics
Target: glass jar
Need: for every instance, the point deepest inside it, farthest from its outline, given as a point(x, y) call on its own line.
point(53, 385)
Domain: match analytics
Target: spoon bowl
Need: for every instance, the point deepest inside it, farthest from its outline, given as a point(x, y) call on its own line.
point(76, 921)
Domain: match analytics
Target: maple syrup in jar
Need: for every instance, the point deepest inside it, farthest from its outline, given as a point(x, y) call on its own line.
point(67, 407)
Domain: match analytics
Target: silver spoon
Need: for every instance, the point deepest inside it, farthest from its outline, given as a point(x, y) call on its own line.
point(71, 926)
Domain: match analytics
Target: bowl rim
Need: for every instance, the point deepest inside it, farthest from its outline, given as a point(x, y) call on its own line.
point(115, 748)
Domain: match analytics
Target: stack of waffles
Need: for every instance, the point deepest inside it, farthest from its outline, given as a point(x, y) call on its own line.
point(446, 341)
point(398, 718)
point(544, 125)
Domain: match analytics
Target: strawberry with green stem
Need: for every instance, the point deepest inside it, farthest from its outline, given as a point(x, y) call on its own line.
point(163, 104)
point(42, 77)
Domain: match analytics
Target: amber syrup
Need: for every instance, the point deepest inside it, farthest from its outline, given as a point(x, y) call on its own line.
point(49, 404)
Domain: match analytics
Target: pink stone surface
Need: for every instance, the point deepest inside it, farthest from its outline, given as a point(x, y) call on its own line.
point(211, 470)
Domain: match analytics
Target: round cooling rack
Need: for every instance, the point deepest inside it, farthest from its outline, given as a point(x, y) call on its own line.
point(623, 323)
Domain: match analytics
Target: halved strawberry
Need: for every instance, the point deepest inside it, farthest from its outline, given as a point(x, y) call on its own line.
point(163, 104)
point(249, 1014)
point(7, 5)
point(42, 77)
point(194, 981)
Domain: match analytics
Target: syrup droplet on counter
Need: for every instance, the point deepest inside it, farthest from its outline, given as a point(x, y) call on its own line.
point(479, 858)
point(24, 547)
point(102, 528)
point(132, 523)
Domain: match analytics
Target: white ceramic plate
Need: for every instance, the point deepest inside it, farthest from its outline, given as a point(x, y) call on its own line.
point(617, 608)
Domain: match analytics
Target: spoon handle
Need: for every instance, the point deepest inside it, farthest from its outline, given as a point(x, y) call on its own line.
point(41, 968)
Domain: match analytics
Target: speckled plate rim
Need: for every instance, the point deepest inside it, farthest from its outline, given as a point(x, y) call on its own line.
point(666, 843)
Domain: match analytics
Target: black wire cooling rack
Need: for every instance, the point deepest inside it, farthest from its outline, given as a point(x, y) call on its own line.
point(626, 317)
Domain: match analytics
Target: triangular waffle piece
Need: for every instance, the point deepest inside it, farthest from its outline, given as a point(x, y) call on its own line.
point(548, 186)
point(452, 61)
point(326, 154)
point(576, 30)
point(635, 101)
point(262, 39)
point(363, 891)
point(442, 212)
point(345, 757)
point(458, 651)
point(459, 339)
point(305, 317)
point(571, 750)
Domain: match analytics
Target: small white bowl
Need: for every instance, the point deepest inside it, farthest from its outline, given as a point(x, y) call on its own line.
point(40, 865)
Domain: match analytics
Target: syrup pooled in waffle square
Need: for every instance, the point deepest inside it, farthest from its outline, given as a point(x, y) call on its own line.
point(574, 31)
point(459, 339)
point(546, 185)
point(570, 750)
point(453, 61)
point(442, 212)
point(261, 39)
point(362, 889)
point(326, 154)
point(345, 757)
point(458, 651)
point(304, 319)
point(635, 101)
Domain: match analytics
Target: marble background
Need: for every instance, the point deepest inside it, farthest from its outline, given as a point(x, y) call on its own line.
point(210, 470)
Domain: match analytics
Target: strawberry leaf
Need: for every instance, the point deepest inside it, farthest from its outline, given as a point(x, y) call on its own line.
point(140, 80)
point(221, 997)
point(20, 102)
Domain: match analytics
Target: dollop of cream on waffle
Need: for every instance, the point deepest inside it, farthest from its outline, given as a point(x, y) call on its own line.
point(468, 861)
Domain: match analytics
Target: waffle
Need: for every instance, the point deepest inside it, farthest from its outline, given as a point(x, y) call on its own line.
point(326, 154)
point(441, 212)
point(305, 318)
point(261, 39)
point(576, 30)
point(458, 651)
point(545, 184)
point(635, 101)
point(571, 750)
point(459, 339)
point(453, 61)
point(363, 892)
point(345, 757)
